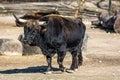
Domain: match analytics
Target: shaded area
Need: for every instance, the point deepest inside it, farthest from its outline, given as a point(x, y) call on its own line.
point(103, 28)
point(36, 69)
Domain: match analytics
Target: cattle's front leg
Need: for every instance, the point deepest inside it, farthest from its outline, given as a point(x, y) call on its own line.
point(74, 65)
point(49, 61)
point(60, 59)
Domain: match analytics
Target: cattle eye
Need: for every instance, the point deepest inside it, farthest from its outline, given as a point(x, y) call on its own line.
point(33, 31)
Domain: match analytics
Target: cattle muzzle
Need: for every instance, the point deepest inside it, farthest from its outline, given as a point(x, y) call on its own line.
point(26, 42)
point(29, 42)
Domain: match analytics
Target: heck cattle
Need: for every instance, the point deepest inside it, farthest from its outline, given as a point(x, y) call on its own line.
point(33, 16)
point(57, 34)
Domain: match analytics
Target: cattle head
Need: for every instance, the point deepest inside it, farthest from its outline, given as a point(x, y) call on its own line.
point(32, 30)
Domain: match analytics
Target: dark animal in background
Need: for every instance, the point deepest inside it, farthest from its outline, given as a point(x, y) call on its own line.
point(104, 20)
point(57, 34)
point(108, 22)
point(33, 16)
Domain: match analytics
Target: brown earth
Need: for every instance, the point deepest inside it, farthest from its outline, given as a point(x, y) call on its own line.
point(102, 61)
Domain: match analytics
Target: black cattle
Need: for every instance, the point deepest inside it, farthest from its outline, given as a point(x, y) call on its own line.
point(33, 16)
point(104, 20)
point(58, 34)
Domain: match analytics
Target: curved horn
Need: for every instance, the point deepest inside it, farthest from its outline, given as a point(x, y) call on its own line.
point(22, 20)
point(42, 22)
point(18, 19)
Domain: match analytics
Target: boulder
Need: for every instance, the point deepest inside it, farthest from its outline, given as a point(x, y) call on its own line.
point(31, 50)
point(2, 7)
point(117, 25)
point(10, 47)
point(91, 7)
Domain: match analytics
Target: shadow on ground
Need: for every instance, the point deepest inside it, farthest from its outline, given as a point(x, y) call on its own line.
point(36, 69)
point(104, 29)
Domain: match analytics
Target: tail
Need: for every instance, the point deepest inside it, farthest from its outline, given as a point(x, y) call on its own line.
point(83, 49)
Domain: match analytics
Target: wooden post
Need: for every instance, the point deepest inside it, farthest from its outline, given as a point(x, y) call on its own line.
point(109, 9)
point(80, 7)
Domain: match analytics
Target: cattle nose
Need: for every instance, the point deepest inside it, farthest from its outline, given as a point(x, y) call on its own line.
point(26, 42)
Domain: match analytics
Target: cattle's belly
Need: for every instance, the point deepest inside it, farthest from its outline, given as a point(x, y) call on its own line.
point(73, 44)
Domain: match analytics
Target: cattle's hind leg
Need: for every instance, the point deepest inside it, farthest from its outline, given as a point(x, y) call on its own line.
point(80, 58)
point(74, 65)
point(60, 59)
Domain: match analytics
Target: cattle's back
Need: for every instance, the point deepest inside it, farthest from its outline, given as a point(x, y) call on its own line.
point(68, 25)
point(61, 29)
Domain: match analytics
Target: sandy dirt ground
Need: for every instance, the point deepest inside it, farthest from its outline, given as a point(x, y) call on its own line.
point(102, 61)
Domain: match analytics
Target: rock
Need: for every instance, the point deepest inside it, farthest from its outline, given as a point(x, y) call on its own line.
point(117, 25)
point(90, 6)
point(2, 7)
point(104, 4)
point(30, 50)
point(10, 47)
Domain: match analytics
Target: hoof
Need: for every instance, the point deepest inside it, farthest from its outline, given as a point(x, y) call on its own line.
point(80, 64)
point(63, 69)
point(71, 70)
point(48, 72)
point(57, 72)
point(75, 70)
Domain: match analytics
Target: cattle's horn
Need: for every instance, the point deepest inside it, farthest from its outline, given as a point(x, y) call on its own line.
point(22, 20)
point(18, 19)
point(42, 22)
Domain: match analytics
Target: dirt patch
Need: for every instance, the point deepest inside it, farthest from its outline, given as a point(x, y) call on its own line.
point(33, 68)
